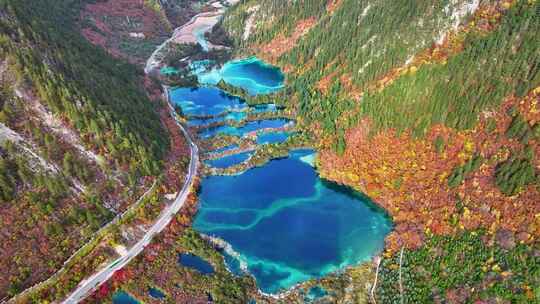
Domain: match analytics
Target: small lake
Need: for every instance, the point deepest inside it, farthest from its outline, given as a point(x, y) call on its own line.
point(156, 293)
point(205, 101)
point(195, 262)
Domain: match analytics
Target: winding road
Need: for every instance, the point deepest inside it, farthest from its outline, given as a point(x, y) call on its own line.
point(89, 284)
point(86, 286)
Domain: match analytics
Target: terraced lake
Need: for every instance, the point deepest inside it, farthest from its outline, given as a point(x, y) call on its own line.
point(286, 224)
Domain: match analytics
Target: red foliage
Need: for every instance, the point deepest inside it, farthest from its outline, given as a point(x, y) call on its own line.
point(114, 20)
point(408, 177)
point(332, 5)
point(103, 291)
point(121, 276)
point(283, 44)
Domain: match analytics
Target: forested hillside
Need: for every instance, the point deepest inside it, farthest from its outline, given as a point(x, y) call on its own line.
point(430, 108)
point(79, 137)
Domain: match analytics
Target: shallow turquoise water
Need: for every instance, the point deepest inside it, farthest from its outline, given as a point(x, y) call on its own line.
point(168, 71)
point(195, 262)
point(122, 297)
point(228, 161)
point(288, 224)
point(272, 137)
point(252, 74)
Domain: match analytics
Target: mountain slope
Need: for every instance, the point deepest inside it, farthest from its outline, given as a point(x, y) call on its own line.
point(79, 139)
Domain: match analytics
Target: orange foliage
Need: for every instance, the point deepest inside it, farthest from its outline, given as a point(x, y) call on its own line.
point(408, 178)
point(114, 20)
point(332, 6)
point(283, 44)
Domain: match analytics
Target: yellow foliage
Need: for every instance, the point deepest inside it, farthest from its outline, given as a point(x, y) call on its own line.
point(353, 177)
point(466, 212)
point(468, 146)
point(506, 273)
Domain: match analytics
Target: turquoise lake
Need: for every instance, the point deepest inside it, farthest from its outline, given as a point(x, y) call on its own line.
point(286, 223)
point(205, 101)
point(252, 74)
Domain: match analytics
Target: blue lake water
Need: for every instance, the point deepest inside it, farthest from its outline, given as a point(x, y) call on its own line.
point(156, 293)
point(252, 74)
point(272, 137)
point(122, 297)
point(228, 161)
point(195, 262)
point(288, 224)
point(205, 101)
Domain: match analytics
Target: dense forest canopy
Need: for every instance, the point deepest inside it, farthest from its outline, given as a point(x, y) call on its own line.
point(101, 96)
point(78, 134)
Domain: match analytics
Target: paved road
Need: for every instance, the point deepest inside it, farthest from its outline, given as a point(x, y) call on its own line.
point(89, 284)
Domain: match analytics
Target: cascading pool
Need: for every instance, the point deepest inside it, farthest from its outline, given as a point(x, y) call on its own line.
point(287, 224)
